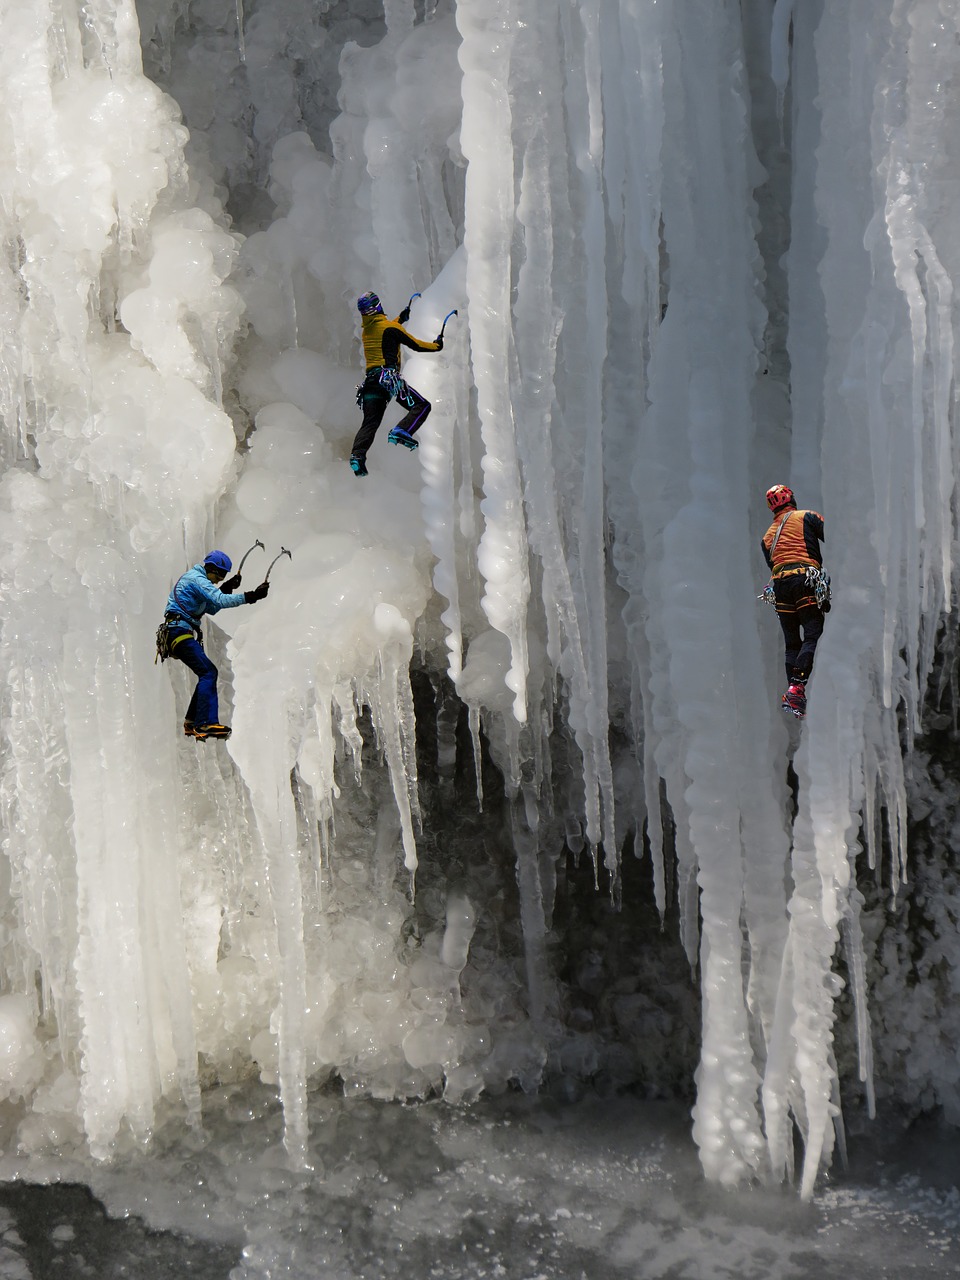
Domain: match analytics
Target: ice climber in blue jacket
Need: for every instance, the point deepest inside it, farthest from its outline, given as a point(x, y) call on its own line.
point(194, 594)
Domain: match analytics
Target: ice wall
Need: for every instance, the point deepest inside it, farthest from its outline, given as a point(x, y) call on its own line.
point(571, 558)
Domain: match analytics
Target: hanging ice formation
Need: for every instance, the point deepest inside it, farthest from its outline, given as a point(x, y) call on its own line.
point(574, 548)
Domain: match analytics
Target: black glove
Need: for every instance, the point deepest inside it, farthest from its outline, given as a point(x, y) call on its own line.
point(258, 593)
point(439, 341)
point(231, 585)
point(404, 315)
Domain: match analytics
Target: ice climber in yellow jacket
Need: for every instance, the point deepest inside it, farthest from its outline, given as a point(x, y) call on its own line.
point(382, 340)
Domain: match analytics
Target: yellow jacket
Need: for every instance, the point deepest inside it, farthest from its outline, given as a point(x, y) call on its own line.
point(383, 338)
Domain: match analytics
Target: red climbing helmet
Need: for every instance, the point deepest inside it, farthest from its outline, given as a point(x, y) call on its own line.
point(780, 496)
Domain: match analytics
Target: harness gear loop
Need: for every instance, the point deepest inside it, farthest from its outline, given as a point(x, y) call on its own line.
point(168, 639)
point(385, 376)
point(391, 381)
point(820, 581)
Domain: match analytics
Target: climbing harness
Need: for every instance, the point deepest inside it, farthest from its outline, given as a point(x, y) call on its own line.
point(168, 637)
point(386, 377)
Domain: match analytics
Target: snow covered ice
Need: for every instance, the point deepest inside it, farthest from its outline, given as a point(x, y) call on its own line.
point(509, 799)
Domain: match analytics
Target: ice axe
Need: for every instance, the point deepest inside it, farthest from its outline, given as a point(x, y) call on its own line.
point(259, 544)
point(445, 319)
point(283, 552)
point(404, 315)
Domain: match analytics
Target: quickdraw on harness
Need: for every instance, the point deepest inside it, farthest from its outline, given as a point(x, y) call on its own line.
point(819, 579)
point(387, 377)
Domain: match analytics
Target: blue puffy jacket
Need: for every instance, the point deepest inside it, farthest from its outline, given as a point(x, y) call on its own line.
point(194, 594)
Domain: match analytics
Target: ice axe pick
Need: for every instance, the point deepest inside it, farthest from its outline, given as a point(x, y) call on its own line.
point(283, 552)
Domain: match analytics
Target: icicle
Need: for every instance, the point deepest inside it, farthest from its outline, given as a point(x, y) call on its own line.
point(241, 46)
point(857, 968)
point(540, 987)
point(276, 820)
point(395, 723)
point(780, 25)
point(474, 717)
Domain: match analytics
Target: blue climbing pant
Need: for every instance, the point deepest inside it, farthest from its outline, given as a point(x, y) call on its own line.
point(203, 708)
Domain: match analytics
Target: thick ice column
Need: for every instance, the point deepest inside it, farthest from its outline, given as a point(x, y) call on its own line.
point(440, 458)
point(112, 464)
point(581, 467)
point(886, 270)
point(134, 995)
point(487, 144)
point(633, 124)
point(806, 336)
point(535, 242)
point(695, 497)
point(392, 140)
point(266, 756)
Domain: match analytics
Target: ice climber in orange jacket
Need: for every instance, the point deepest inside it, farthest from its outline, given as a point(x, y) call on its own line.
point(791, 548)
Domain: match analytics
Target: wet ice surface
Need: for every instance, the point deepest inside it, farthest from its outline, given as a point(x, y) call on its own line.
point(519, 1188)
point(62, 1231)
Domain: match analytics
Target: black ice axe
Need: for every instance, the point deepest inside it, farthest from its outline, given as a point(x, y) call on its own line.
point(283, 552)
point(259, 544)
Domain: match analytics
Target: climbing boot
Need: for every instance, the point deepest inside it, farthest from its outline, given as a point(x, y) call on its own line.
point(399, 436)
point(794, 701)
point(205, 731)
point(358, 466)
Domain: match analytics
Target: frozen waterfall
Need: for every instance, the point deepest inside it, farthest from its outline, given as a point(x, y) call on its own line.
point(695, 248)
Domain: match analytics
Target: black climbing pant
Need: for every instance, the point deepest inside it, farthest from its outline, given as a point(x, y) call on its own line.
point(801, 620)
point(374, 398)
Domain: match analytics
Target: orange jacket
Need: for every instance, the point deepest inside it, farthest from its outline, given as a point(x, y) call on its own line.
point(798, 546)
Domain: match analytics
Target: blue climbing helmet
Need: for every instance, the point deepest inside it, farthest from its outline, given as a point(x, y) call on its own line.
point(219, 560)
point(368, 304)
